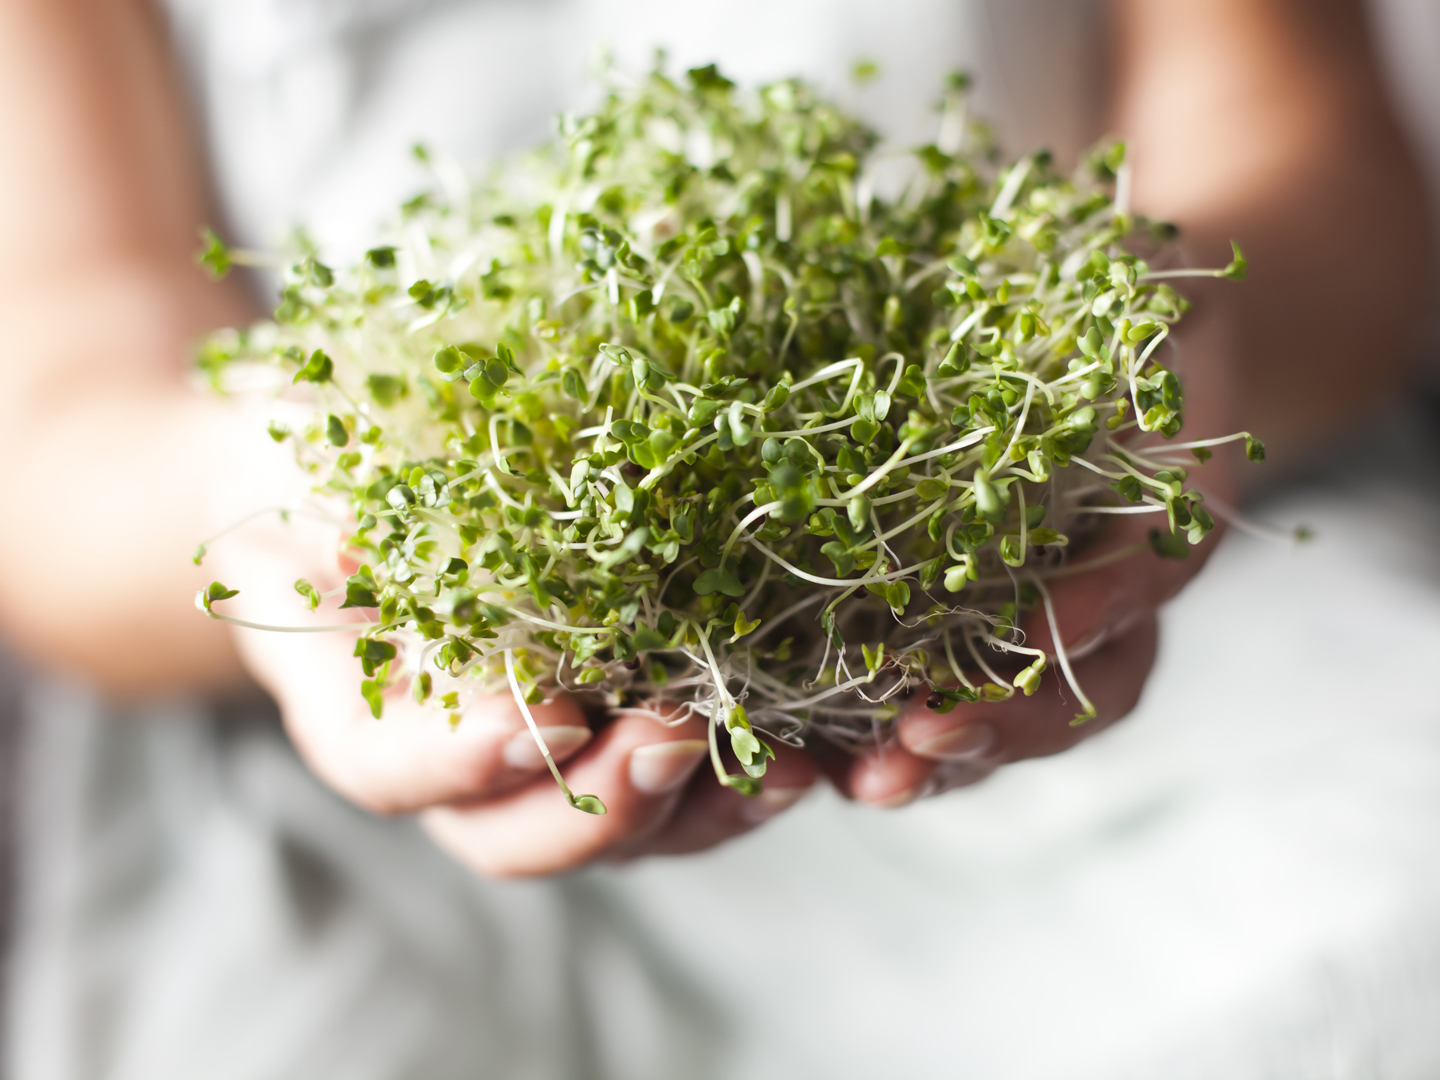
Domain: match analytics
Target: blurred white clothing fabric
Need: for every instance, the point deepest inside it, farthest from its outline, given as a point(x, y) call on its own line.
point(1240, 881)
point(311, 106)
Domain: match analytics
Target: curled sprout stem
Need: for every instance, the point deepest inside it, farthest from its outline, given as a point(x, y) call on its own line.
point(589, 803)
point(1062, 657)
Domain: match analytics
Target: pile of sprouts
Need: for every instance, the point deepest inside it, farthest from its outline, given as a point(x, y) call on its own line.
point(682, 414)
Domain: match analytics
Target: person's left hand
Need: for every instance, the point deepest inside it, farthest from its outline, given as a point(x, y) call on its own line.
point(1106, 618)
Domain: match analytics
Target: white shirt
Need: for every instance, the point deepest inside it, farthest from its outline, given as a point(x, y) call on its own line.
point(1239, 881)
point(310, 106)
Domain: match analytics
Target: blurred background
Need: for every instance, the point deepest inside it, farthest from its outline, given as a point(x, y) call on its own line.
point(1242, 880)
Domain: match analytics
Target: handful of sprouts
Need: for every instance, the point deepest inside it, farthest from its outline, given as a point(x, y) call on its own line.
point(681, 414)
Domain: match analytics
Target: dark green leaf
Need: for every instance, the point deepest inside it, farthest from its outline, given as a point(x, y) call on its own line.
point(718, 579)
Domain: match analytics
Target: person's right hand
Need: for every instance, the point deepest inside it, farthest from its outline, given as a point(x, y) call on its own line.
point(481, 787)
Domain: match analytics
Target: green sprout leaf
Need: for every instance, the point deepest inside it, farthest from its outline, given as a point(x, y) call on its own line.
point(318, 369)
point(309, 592)
point(744, 626)
point(1168, 545)
point(370, 690)
point(873, 657)
point(217, 591)
point(214, 255)
point(718, 579)
point(1028, 680)
point(1239, 268)
point(745, 744)
point(759, 761)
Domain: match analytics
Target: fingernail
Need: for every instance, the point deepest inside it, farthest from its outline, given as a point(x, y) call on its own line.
point(965, 743)
point(770, 802)
point(522, 754)
point(660, 768)
point(900, 798)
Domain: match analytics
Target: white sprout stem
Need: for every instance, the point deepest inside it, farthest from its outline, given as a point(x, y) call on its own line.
point(655, 475)
point(1160, 275)
point(1118, 555)
point(895, 461)
point(1010, 646)
point(971, 321)
point(838, 688)
point(986, 668)
point(565, 489)
point(1096, 468)
point(889, 465)
point(880, 537)
point(1024, 521)
point(530, 723)
point(1148, 481)
point(1016, 177)
point(1122, 189)
point(1228, 514)
point(825, 373)
point(954, 664)
point(1036, 383)
point(1130, 370)
point(962, 444)
point(727, 705)
point(500, 492)
point(779, 620)
point(520, 614)
point(1160, 335)
point(257, 260)
point(759, 584)
point(1020, 423)
point(1075, 376)
point(802, 432)
point(281, 510)
point(1200, 444)
point(877, 579)
point(723, 691)
point(352, 627)
point(899, 370)
point(1060, 654)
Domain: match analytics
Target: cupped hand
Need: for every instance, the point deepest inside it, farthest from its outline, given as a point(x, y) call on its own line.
point(479, 785)
point(1106, 618)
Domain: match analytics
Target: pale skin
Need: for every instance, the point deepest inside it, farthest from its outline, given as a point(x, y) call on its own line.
point(1259, 119)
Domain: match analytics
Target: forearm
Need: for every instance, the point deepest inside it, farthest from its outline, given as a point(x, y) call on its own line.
point(110, 455)
point(1266, 121)
point(113, 459)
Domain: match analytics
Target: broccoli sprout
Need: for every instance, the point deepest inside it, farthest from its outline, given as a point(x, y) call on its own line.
point(683, 413)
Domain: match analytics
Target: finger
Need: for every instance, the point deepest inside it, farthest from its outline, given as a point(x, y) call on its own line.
point(709, 813)
point(987, 734)
point(886, 776)
point(1100, 604)
point(1094, 606)
point(413, 756)
point(637, 766)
